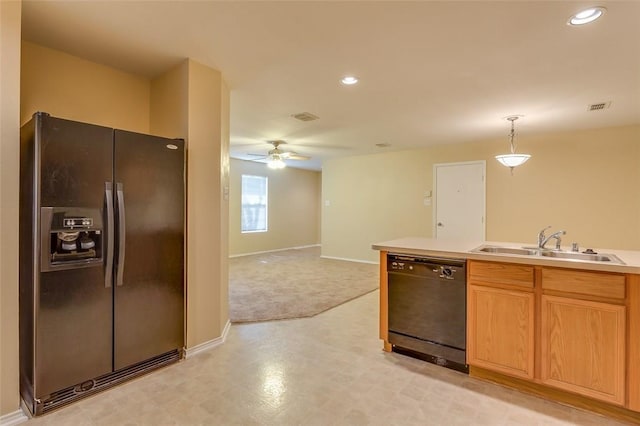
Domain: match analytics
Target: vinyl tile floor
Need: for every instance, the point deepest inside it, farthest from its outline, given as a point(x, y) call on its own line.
point(324, 370)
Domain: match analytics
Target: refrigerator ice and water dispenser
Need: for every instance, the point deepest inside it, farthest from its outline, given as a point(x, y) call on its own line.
point(71, 238)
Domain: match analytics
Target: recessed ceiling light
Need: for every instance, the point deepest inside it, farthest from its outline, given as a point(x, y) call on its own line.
point(305, 116)
point(586, 16)
point(349, 80)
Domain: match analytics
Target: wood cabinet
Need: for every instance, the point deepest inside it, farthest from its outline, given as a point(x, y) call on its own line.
point(593, 285)
point(501, 274)
point(583, 333)
point(500, 318)
point(583, 347)
point(558, 327)
point(500, 330)
point(633, 342)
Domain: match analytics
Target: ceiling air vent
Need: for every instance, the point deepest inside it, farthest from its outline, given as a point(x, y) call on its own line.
point(305, 116)
point(599, 106)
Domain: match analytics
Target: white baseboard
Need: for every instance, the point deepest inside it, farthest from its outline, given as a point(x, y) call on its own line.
point(14, 418)
point(351, 260)
point(202, 347)
point(273, 251)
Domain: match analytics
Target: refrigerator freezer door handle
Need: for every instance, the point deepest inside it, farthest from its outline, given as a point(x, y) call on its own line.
point(108, 273)
point(121, 234)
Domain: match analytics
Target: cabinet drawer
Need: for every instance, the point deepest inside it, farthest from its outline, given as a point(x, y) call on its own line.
point(501, 273)
point(583, 282)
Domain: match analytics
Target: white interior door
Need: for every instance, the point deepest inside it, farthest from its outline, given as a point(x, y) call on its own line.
point(460, 201)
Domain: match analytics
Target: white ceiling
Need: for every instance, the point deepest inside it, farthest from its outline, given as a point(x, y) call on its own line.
point(430, 72)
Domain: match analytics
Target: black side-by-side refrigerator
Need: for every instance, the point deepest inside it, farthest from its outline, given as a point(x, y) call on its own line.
point(101, 258)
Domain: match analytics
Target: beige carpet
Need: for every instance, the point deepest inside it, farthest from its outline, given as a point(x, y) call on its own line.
point(293, 284)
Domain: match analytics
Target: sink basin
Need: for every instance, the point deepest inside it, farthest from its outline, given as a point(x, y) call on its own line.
point(506, 250)
point(591, 257)
point(568, 255)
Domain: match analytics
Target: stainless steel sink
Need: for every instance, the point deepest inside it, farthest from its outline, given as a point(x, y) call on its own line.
point(566, 255)
point(506, 250)
point(591, 257)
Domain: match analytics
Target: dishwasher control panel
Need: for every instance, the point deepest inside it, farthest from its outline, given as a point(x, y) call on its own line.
point(444, 268)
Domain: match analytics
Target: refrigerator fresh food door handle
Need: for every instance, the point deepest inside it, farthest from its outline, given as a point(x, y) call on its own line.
point(121, 234)
point(108, 273)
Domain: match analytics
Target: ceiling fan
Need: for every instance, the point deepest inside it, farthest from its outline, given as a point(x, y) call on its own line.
point(276, 156)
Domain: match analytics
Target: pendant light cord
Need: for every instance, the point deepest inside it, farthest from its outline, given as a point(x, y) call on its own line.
point(512, 134)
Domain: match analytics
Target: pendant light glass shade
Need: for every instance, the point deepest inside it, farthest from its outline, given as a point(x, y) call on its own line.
point(512, 160)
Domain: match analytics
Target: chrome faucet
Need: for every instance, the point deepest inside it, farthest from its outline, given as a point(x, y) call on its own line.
point(541, 236)
point(543, 240)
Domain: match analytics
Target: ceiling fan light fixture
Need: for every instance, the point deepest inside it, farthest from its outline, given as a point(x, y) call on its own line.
point(586, 16)
point(277, 158)
point(276, 162)
point(512, 160)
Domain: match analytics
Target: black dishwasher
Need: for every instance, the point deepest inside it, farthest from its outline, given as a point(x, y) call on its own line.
point(427, 308)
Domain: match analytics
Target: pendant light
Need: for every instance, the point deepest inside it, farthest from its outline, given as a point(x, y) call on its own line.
point(512, 160)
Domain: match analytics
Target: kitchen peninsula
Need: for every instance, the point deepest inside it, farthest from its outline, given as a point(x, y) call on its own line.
point(564, 329)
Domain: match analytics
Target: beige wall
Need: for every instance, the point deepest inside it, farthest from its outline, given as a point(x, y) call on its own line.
point(10, 15)
point(223, 195)
point(372, 198)
point(69, 87)
point(584, 182)
point(206, 207)
point(192, 101)
point(169, 103)
point(293, 209)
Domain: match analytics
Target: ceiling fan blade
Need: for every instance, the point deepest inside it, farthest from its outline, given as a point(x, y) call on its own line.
point(294, 156)
point(290, 155)
point(277, 152)
point(258, 157)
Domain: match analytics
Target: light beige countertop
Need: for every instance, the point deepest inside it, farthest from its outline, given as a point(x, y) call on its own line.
point(462, 250)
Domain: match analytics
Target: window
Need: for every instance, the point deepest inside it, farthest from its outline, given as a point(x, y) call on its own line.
point(254, 203)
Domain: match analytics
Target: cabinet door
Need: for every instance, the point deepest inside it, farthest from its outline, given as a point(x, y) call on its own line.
point(583, 347)
point(500, 330)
